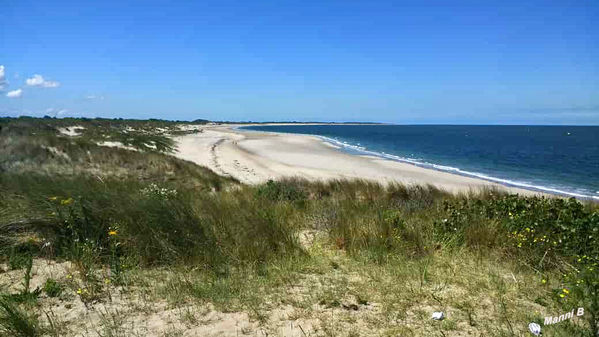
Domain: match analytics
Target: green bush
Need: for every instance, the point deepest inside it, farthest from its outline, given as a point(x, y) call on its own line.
point(541, 230)
point(281, 191)
point(52, 288)
point(544, 233)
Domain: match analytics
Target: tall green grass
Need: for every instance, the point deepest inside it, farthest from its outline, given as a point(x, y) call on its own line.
point(14, 321)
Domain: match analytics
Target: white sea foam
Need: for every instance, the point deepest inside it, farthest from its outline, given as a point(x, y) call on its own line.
point(455, 170)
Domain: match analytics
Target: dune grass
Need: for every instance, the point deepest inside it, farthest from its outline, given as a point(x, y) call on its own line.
point(163, 229)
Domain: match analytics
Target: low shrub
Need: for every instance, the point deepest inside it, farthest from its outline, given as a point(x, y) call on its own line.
point(52, 288)
point(281, 191)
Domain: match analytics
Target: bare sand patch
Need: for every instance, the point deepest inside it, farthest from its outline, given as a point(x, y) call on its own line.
point(116, 144)
point(71, 131)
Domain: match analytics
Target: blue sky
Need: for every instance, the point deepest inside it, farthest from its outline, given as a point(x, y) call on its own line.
point(460, 62)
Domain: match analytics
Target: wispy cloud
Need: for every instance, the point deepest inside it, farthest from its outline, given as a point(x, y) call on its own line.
point(15, 93)
point(3, 81)
point(56, 112)
point(38, 81)
point(94, 97)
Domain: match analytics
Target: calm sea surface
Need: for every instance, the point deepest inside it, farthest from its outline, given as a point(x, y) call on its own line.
point(557, 159)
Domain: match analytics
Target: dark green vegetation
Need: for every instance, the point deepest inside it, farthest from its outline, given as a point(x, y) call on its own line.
point(121, 211)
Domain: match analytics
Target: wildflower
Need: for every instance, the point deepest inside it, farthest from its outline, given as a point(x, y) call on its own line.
point(566, 291)
point(52, 198)
point(562, 295)
point(69, 276)
point(79, 291)
point(112, 233)
point(543, 281)
point(107, 281)
point(66, 201)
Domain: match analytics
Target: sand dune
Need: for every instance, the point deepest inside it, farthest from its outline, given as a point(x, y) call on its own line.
point(254, 157)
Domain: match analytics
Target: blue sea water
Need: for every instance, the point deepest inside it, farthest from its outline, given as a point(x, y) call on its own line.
point(557, 159)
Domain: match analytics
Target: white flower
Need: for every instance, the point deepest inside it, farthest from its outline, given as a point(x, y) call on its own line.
point(156, 191)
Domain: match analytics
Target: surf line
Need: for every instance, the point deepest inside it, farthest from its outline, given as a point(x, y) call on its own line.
point(556, 319)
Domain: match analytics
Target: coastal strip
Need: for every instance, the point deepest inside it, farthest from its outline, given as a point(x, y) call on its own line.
point(255, 157)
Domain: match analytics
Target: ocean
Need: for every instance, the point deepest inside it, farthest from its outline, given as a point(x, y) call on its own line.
point(556, 159)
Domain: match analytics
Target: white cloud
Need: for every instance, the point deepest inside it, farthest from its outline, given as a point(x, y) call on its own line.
point(35, 80)
point(92, 97)
point(51, 84)
point(3, 81)
point(38, 81)
point(15, 93)
point(56, 112)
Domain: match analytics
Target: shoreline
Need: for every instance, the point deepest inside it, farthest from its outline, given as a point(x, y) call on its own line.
point(356, 150)
point(254, 157)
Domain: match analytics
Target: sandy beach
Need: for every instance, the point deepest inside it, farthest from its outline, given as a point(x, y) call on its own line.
point(255, 157)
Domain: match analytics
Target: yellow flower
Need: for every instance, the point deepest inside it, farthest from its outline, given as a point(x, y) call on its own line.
point(543, 281)
point(562, 295)
point(107, 281)
point(66, 201)
point(566, 291)
point(79, 291)
point(111, 233)
point(69, 276)
point(52, 198)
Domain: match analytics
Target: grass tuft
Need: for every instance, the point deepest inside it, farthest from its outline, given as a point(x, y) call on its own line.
point(14, 321)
